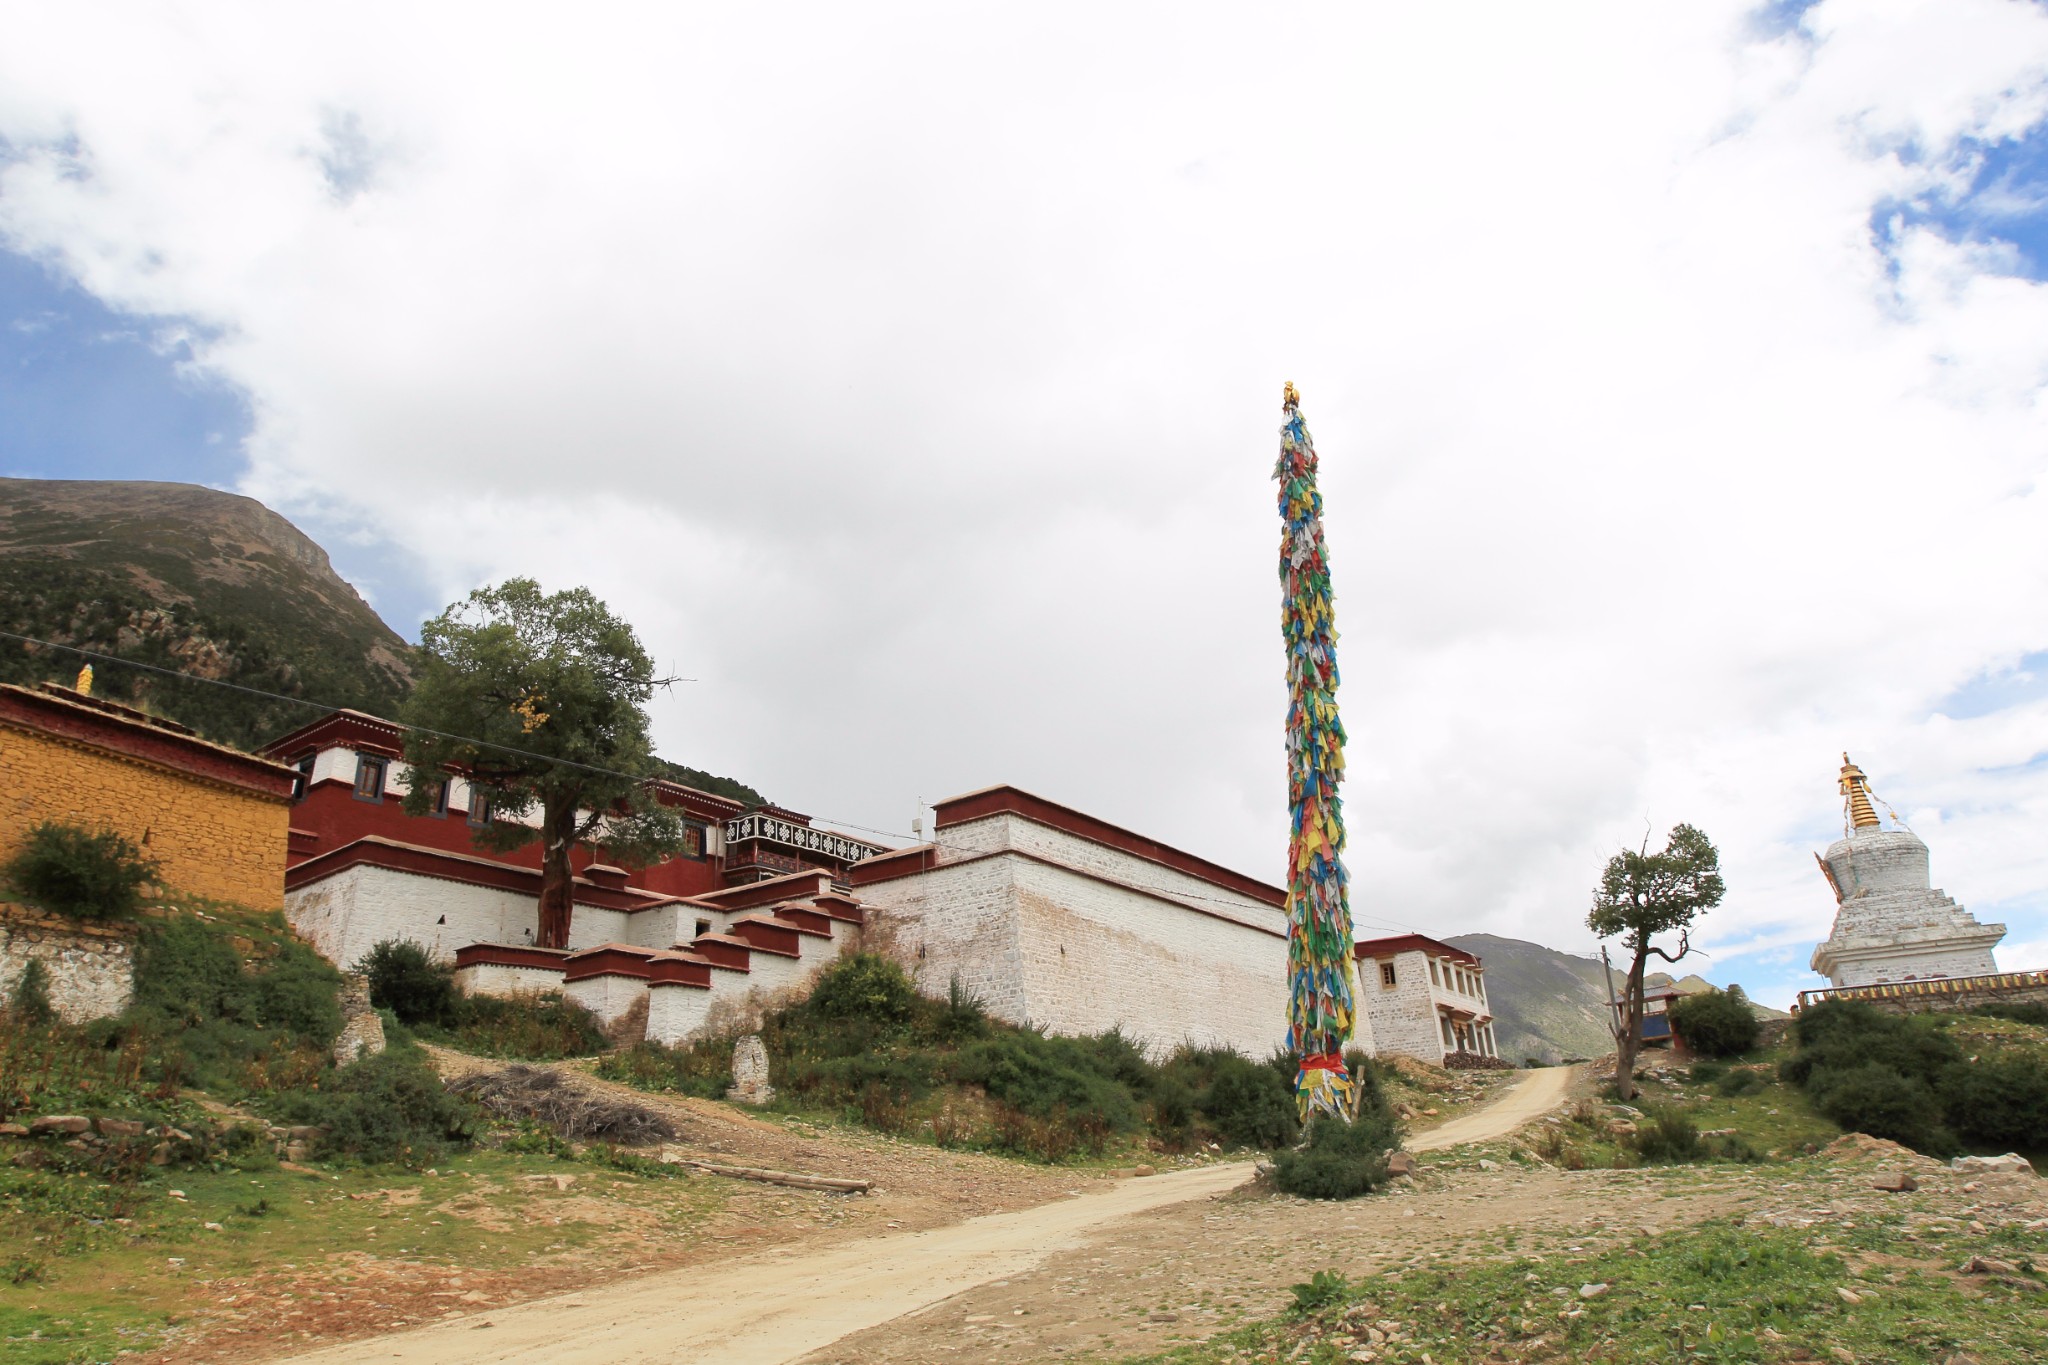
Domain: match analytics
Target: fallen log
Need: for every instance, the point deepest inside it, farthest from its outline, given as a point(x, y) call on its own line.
point(802, 1182)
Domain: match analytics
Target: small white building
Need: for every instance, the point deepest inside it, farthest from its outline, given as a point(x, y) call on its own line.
point(1056, 918)
point(1424, 999)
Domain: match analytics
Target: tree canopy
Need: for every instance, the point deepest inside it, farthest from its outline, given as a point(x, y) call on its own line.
point(1641, 896)
point(539, 700)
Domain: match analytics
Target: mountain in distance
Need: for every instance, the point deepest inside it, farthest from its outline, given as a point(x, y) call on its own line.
point(205, 583)
point(1694, 984)
point(1546, 1004)
point(208, 585)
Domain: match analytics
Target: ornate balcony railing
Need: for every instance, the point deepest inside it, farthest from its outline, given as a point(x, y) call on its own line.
point(788, 834)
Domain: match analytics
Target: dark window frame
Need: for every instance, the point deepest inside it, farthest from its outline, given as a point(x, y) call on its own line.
point(479, 808)
point(1389, 978)
point(302, 785)
point(441, 795)
point(367, 791)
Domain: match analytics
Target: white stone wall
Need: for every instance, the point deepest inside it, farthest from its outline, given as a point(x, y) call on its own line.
point(607, 997)
point(675, 1012)
point(345, 915)
point(1890, 925)
point(1403, 1016)
point(90, 968)
point(492, 978)
point(1050, 945)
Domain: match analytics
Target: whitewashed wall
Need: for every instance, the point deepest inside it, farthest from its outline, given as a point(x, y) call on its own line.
point(350, 912)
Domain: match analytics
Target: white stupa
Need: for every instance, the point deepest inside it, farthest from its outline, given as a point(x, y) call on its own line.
point(1890, 925)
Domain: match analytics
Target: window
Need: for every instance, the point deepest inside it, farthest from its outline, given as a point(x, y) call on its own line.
point(370, 772)
point(479, 808)
point(303, 783)
point(441, 797)
point(1434, 979)
point(703, 927)
point(693, 839)
point(1386, 976)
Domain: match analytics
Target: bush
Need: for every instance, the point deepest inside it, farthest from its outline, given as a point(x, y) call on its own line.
point(404, 980)
point(867, 988)
point(82, 874)
point(1715, 1023)
point(29, 1001)
point(1999, 1100)
point(704, 1071)
point(1669, 1138)
point(1841, 1035)
point(1040, 1076)
point(386, 1108)
point(1249, 1104)
point(1876, 1099)
point(1339, 1160)
point(542, 1027)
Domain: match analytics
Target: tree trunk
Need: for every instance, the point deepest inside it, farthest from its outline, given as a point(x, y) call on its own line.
point(1629, 1041)
point(557, 879)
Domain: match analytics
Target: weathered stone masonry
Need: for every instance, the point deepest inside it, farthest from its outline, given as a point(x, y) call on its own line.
point(91, 967)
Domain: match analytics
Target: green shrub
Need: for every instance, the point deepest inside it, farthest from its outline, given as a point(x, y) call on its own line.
point(541, 1027)
point(1841, 1035)
point(29, 1001)
point(1999, 1100)
point(1039, 1076)
point(1323, 1289)
point(1667, 1138)
point(409, 983)
point(1249, 1105)
point(79, 873)
point(1715, 1023)
point(701, 1070)
point(1876, 1099)
point(2026, 1013)
point(386, 1108)
point(1339, 1160)
point(867, 988)
point(1738, 1082)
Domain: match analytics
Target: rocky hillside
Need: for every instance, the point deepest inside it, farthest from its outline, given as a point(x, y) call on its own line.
point(193, 579)
point(1546, 1004)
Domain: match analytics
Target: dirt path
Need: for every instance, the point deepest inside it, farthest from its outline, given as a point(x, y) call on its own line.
point(1533, 1096)
point(780, 1306)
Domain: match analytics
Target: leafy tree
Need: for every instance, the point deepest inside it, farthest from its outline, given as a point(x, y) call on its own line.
point(1642, 895)
point(548, 692)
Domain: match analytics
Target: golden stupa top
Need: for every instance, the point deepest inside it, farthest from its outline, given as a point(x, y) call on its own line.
point(1856, 789)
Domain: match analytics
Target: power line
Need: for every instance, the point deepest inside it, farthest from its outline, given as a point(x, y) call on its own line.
point(911, 840)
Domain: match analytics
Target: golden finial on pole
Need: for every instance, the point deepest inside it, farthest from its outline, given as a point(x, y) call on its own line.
point(85, 681)
point(1856, 787)
point(1289, 395)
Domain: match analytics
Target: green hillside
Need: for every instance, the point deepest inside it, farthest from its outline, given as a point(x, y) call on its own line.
point(1546, 1004)
point(193, 579)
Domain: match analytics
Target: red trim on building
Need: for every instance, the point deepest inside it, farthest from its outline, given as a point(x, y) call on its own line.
point(888, 866)
point(344, 729)
point(376, 851)
point(509, 955)
point(679, 968)
point(607, 959)
point(770, 891)
point(1412, 943)
point(805, 920)
point(764, 933)
point(724, 950)
point(1007, 800)
point(116, 730)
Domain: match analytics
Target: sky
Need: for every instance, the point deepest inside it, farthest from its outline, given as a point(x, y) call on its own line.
point(909, 375)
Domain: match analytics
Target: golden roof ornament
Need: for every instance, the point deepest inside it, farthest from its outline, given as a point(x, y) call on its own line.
point(85, 681)
point(1856, 789)
point(1289, 395)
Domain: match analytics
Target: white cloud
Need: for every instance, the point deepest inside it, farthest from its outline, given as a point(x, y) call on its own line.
point(909, 375)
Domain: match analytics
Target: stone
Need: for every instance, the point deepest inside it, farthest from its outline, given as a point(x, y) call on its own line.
point(1848, 1296)
point(51, 1124)
point(1894, 1182)
point(121, 1128)
point(1592, 1291)
point(297, 1151)
point(1143, 1170)
point(1989, 1265)
point(750, 1072)
point(13, 1130)
point(2012, 1163)
point(1401, 1164)
point(1486, 1165)
point(1162, 1317)
point(362, 1028)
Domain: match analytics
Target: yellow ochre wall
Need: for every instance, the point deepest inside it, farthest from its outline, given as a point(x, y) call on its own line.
point(207, 839)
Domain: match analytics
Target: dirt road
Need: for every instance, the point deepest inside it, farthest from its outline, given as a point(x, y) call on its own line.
point(775, 1308)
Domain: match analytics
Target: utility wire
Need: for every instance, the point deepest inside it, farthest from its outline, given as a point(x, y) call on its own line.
point(910, 839)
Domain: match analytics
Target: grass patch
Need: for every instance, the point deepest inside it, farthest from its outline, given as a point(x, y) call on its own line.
point(1717, 1293)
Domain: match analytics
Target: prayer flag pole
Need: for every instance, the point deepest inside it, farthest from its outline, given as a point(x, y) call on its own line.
point(1319, 946)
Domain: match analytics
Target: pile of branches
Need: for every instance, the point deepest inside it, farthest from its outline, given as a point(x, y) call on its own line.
point(531, 1092)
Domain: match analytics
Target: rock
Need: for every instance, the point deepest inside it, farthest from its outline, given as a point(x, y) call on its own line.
point(750, 1072)
point(2012, 1163)
point(1989, 1265)
point(1894, 1182)
point(1972, 1186)
point(1401, 1163)
point(1592, 1291)
point(121, 1128)
point(13, 1130)
point(1843, 1354)
point(214, 1227)
point(362, 1028)
point(1621, 1128)
point(1486, 1165)
point(305, 1133)
point(1143, 1170)
point(52, 1124)
point(1848, 1296)
point(1162, 1317)
point(297, 1151)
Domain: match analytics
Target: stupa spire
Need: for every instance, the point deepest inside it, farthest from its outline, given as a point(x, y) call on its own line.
point(1856, 791)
